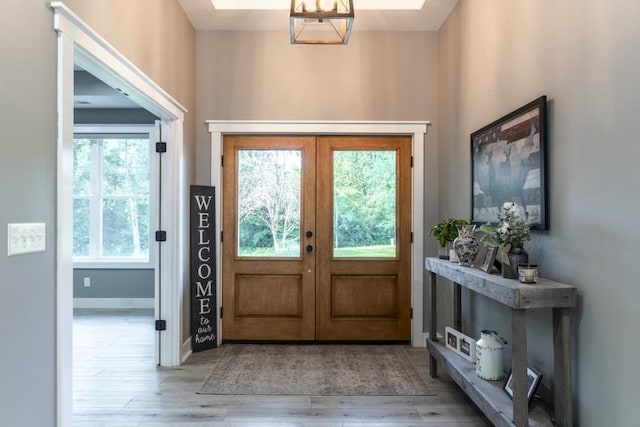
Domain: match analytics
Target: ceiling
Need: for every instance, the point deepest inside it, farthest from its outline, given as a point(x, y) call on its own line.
point(90, 92)
point(204, 16)
point(93, 93)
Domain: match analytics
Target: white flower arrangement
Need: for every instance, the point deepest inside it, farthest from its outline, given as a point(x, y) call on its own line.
point(511, 228)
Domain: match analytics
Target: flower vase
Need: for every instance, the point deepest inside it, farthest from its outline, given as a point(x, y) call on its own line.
point(466, 245)
point(515, 256)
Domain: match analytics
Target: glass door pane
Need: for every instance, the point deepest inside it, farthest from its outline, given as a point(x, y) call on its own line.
point(364, 198)
point(269, 185)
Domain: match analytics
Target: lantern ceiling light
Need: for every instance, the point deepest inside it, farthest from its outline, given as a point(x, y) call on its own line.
point(320, 21)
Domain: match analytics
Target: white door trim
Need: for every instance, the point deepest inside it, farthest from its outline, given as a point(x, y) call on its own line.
point(417, 130)
point(80, 44)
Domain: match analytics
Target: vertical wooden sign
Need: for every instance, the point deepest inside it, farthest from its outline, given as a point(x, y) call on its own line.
point(204, 320)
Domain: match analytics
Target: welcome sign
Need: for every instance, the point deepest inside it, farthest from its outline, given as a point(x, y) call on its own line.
point(204, 324)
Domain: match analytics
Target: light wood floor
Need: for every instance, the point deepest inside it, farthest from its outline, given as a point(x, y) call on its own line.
point(116, 384)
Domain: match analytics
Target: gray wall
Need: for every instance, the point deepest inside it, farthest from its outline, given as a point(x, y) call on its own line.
point(27, 194)
point(114, 283)
point(497, 55)
point(28, 170)
point(120, 116)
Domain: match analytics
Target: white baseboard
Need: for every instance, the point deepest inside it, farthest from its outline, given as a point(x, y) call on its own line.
point(422, 342)
point(426, 335)
point(113, 303)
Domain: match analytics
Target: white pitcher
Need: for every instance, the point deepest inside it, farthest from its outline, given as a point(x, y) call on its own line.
point(489, 355)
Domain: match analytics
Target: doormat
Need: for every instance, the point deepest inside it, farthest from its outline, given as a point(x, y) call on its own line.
point(318, 370)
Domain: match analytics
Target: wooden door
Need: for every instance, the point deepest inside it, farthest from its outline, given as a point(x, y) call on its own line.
point(363, 290)
point(268, 279)
point(353, 224)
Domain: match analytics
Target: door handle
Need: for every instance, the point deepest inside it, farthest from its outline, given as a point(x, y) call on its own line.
point(309, 249)
point(309, 234)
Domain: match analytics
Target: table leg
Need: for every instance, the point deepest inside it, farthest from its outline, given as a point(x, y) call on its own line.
point(562, 366)
point(433, 363)
point(519, 368)
point(457, 307)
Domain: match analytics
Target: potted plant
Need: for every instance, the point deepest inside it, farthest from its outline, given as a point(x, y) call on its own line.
point(446, 232)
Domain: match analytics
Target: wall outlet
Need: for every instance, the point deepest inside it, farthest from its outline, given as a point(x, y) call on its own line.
point(25, 238)
point(87, 282)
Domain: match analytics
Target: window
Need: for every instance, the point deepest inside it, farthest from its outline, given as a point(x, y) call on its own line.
point(269, 184)
point(112, 192)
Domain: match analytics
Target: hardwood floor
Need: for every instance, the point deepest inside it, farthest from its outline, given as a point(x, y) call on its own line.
point(116, 383)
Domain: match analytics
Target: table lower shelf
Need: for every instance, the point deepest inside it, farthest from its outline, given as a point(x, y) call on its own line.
point(487, 395)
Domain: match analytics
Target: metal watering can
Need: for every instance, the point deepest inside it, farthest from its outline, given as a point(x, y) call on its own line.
point(489, 355)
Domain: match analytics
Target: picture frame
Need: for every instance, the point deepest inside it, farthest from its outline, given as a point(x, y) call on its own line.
point(489, 259)
point(508, 163)
point(533, 380)
point(451, 338)
point(467, 348)
point(460, 343)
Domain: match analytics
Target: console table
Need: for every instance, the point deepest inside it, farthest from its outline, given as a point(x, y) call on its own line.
point(519, 297)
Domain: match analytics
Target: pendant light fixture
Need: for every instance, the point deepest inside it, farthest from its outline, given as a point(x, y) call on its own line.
point(320, 21)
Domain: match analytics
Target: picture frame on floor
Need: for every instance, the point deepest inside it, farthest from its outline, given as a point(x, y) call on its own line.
point(533, 380)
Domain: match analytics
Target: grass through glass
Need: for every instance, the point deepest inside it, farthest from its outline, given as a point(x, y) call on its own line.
point(364, 199)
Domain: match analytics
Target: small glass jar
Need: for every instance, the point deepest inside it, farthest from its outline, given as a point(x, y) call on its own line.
point(527, 273)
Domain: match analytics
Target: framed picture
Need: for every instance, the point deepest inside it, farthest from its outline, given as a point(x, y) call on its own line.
point(451, 338)
point(489, 257)
point(467, 348)
point(508, 163)
point(533, 379)
point(460, 343)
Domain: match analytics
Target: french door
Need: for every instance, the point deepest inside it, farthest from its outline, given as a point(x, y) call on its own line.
point(317, 238)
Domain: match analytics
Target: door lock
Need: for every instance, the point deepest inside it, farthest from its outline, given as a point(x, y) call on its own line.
point(309, 234)
point(309, 249)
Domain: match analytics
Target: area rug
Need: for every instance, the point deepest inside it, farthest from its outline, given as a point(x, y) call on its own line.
point(319, 370)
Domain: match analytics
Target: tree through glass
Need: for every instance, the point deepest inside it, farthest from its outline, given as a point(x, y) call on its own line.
point(111, 190)
point(364, 211)
point(269, 185)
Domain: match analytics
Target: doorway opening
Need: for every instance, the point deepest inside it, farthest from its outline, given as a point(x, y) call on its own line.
point(114, 211)
point(416, 131)
point(79, 45)
point(115, 183)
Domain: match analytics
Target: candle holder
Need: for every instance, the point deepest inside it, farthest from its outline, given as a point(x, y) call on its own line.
point(527, 273)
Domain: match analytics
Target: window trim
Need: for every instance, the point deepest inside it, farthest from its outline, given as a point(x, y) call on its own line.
point(115, 265)
point(89, 262)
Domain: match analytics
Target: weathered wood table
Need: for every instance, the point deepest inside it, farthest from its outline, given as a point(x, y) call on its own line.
point(519, 297)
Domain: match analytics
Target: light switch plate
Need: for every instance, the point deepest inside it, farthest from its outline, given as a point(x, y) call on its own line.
point(25, 238)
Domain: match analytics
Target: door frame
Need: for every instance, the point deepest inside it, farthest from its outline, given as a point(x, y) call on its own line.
point(417, 131)
point(79, 44)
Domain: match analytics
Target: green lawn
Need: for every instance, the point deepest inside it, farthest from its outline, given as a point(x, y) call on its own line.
point(381, 251)
point(269, 253)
